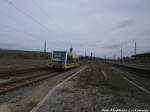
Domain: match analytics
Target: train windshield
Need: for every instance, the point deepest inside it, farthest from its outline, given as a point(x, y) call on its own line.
point(59, 57)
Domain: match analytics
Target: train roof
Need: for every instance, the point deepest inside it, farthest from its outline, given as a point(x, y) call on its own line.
point(73, 53)
point(59, 51)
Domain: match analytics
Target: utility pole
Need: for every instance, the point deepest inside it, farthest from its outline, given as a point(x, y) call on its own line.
point(45, 48)
point(105, 58)
point(135, 48)
point(121, 54)
point(91, 55)
point(85, 53)
point(114, 56)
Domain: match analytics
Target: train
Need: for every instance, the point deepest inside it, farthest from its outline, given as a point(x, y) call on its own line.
point(63, 60)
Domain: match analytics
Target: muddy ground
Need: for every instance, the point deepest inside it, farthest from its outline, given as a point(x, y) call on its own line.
point(97, 88)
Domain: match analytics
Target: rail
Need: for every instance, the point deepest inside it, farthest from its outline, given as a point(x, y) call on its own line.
point(12, 85)
point(137, 70)
point(22, 71)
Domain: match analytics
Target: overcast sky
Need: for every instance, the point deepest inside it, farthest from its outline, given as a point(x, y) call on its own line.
point(100, 26)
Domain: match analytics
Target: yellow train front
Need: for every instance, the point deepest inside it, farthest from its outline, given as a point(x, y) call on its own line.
point(63, 60)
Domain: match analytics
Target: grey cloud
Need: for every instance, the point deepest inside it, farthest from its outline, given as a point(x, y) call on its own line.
point(112, 46)
point(121, 25)
point(97, 25)
point(126, 23)
point(120, 45)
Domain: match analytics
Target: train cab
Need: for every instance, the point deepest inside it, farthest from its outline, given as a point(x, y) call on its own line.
point(64, 60)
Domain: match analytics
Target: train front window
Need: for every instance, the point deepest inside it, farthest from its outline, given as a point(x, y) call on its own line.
point(59, 57)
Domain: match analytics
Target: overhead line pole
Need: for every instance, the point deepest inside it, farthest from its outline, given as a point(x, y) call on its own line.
point(45, 49)
point(121, 54)
point(45, 46)
point(135, 48)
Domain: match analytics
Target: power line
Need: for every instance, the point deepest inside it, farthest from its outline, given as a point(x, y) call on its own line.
point(13, 28)
point(8, 16)
point(27, 15)
point(48, 16)
point(18, 30)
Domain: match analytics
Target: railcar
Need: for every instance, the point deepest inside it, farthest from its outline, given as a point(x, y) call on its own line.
point(63, 60)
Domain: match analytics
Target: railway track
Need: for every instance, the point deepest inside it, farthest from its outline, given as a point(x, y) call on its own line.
point(10, 73)
point(11, 80)
point(23, 81)
point(145, 73)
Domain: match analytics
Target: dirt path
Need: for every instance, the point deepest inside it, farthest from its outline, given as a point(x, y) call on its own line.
point(94, 90)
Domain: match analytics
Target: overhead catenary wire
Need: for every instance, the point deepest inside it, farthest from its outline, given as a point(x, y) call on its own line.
point(8, 16)
point(18, 30)
point(50, 18)
point(47, 15)
point(13, 28)
point(27, 15)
